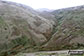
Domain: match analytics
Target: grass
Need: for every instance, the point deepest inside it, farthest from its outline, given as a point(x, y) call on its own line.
point(1, 21)
point(20, 54)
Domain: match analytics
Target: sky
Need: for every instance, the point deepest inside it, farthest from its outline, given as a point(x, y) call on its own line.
point(50, 4)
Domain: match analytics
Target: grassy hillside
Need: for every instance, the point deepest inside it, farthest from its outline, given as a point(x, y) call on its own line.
point(24, 30)
point(69, 32)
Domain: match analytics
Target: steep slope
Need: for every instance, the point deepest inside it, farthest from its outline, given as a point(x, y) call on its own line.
point(69, 34)
point(21, 28)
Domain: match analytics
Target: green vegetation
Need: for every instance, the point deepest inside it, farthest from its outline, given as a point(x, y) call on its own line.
point(17, 45)
point(20, 54)
point(20, 32)
point(70, 25)
point(21, 41)
point(1, 20)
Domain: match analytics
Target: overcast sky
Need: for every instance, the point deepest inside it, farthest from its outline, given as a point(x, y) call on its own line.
point(50, 4)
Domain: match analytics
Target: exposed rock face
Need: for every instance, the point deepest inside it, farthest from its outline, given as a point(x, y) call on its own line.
point(24, 30)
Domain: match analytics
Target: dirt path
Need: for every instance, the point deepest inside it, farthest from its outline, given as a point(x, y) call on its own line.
point(47, 53)
point(50, 53)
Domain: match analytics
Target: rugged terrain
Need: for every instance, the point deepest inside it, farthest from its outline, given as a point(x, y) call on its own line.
point(69, 32)
point(22, 29)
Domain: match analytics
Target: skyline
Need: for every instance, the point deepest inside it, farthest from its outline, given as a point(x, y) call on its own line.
point(50, 4)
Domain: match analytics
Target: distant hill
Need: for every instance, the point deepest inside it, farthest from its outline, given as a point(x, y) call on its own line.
point(69, 32)
point(44, 10)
